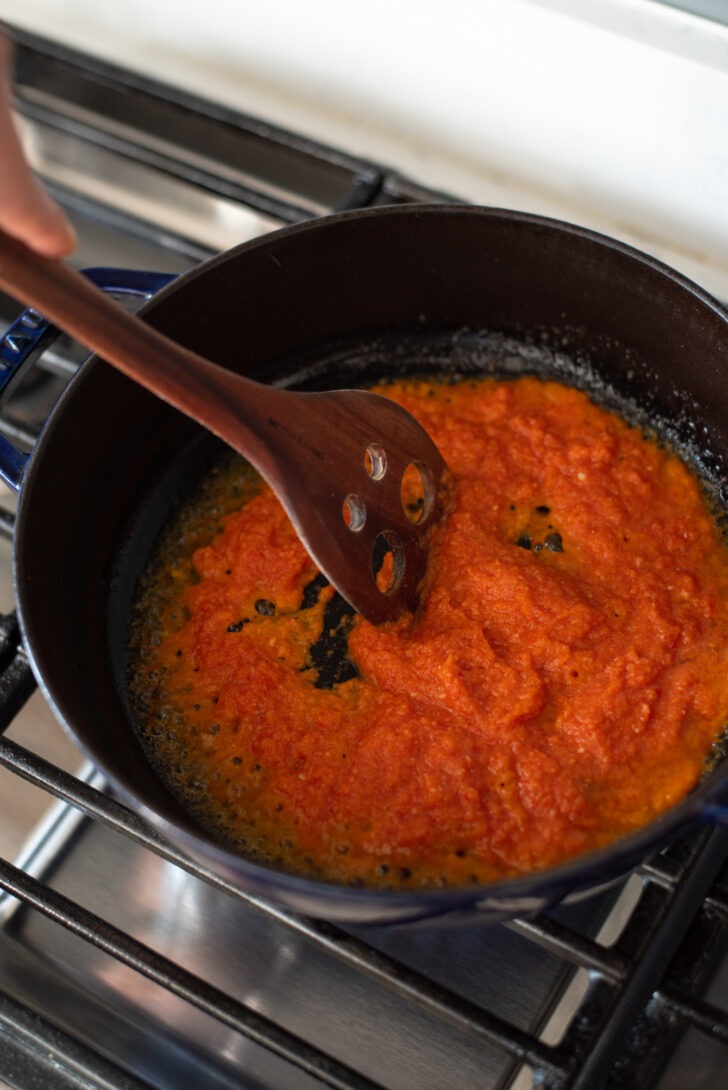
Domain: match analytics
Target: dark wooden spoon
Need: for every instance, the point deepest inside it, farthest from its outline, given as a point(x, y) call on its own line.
point(337, 460)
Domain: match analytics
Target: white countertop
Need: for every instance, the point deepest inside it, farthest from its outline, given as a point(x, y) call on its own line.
point(610, 113)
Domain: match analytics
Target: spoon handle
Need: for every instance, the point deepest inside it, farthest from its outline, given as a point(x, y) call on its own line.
point(203, 390)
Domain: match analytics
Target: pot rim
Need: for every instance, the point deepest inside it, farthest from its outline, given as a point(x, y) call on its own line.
point(400, 905)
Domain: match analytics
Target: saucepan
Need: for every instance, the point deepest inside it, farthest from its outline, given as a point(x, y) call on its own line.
point(343, 300)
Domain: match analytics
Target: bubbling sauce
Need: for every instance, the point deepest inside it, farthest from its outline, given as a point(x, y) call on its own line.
point(563, 683)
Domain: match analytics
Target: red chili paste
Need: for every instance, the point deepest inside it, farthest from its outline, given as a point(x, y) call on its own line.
point(562, 685)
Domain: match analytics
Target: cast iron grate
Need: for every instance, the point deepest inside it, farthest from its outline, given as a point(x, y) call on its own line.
point(232, 156)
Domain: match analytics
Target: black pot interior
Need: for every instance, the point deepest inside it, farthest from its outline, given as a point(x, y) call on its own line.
point(341, 302)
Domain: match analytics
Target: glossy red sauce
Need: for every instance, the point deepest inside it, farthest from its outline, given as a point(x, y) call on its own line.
point(562, 685)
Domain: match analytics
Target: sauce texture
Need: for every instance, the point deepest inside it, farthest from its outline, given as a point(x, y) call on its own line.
point(563, 683)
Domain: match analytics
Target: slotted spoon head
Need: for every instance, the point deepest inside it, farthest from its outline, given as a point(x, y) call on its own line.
point(364, 485)
point(337, 460)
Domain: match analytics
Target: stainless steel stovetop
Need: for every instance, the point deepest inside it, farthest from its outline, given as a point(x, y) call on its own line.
point(124, 966)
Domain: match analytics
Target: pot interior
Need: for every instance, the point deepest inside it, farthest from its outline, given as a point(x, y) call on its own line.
point(349, 301)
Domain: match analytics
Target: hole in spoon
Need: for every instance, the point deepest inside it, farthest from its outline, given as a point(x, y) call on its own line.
point(417, 491)
point(354, 512)
point(388, 562)
point(375, 461)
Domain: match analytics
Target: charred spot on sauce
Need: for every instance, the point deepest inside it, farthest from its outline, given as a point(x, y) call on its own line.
point(532, 532)
point(312, 590)
point(237, 626)
point(328, 656)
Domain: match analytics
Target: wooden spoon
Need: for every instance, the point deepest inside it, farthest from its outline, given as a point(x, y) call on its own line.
point(336, 460)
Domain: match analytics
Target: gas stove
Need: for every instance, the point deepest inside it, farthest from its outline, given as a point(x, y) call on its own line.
point(125, 966)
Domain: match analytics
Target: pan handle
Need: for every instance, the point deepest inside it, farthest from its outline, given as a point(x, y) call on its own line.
point(31, 332)
point(715, 813)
